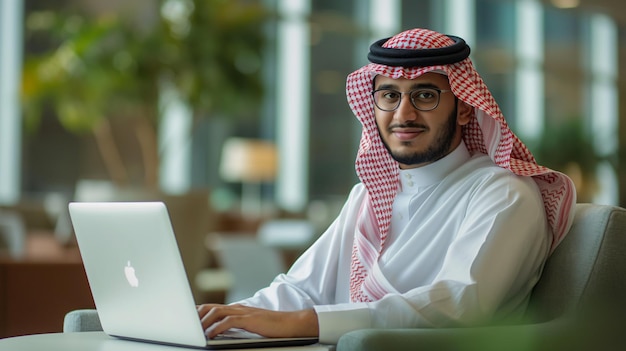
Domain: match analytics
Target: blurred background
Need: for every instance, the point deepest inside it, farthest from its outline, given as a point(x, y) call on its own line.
point(234, 113)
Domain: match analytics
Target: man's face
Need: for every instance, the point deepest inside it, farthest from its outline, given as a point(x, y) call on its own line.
point(416, 138)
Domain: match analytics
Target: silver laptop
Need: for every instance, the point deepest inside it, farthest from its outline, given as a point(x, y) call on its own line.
point(138, 280)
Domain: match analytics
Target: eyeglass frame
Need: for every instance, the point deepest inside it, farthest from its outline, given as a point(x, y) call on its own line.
point(410, 92)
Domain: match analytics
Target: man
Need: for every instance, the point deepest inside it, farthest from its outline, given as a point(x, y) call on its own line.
point(450, 225)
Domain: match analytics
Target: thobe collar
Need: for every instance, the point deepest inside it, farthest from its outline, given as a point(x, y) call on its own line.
point(411, 180)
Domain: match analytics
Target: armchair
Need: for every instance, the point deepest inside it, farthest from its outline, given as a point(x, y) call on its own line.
point(578, 304)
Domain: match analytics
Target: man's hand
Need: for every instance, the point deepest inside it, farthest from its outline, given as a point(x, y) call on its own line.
point(217, 319)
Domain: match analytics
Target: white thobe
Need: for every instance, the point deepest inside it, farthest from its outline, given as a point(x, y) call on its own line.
point(467, 243)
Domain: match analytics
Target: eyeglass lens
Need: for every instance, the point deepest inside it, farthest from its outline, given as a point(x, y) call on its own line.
point(422, 99)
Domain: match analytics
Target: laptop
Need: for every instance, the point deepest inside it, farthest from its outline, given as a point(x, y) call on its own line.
point(138, 280)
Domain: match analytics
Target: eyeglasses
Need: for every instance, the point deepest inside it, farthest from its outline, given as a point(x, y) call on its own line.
point(423, 99)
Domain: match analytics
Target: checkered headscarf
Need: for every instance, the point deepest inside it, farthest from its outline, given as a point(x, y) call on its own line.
point(487, 133)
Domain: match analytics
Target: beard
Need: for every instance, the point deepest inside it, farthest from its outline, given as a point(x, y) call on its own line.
point(437, 150)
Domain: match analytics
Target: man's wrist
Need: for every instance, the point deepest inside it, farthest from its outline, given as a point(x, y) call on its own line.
point(309, 322)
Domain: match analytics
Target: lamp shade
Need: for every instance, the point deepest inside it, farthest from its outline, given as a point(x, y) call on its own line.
point(248, 160)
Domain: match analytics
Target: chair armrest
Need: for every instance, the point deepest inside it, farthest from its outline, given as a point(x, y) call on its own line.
point(81, 321)
point(554, 335)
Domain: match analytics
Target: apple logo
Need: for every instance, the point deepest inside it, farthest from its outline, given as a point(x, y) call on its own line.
point(129, 272)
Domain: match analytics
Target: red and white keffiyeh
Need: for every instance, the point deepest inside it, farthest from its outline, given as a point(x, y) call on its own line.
point(487, 133)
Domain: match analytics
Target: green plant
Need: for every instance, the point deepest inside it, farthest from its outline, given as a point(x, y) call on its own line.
point(107, 66)
point(565, 147)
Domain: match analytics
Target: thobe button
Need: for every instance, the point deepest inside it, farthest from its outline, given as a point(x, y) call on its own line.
point(409, 183)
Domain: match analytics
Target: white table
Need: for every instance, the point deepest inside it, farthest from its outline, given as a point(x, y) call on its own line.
point(99, 341)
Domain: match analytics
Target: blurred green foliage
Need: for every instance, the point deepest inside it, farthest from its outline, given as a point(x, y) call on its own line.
point(564, 142)
point(566, 147)
point(106, 65)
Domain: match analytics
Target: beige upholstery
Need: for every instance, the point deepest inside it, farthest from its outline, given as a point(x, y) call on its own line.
point(82, 321)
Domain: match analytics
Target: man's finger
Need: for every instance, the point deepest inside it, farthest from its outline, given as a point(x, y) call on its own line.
point(224, 324)
point(211, 314)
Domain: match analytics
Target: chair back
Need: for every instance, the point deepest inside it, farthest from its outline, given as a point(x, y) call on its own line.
point(251, 264)
point(588, 268)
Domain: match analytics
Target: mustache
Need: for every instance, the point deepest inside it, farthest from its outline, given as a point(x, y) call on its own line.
point(407, 125)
